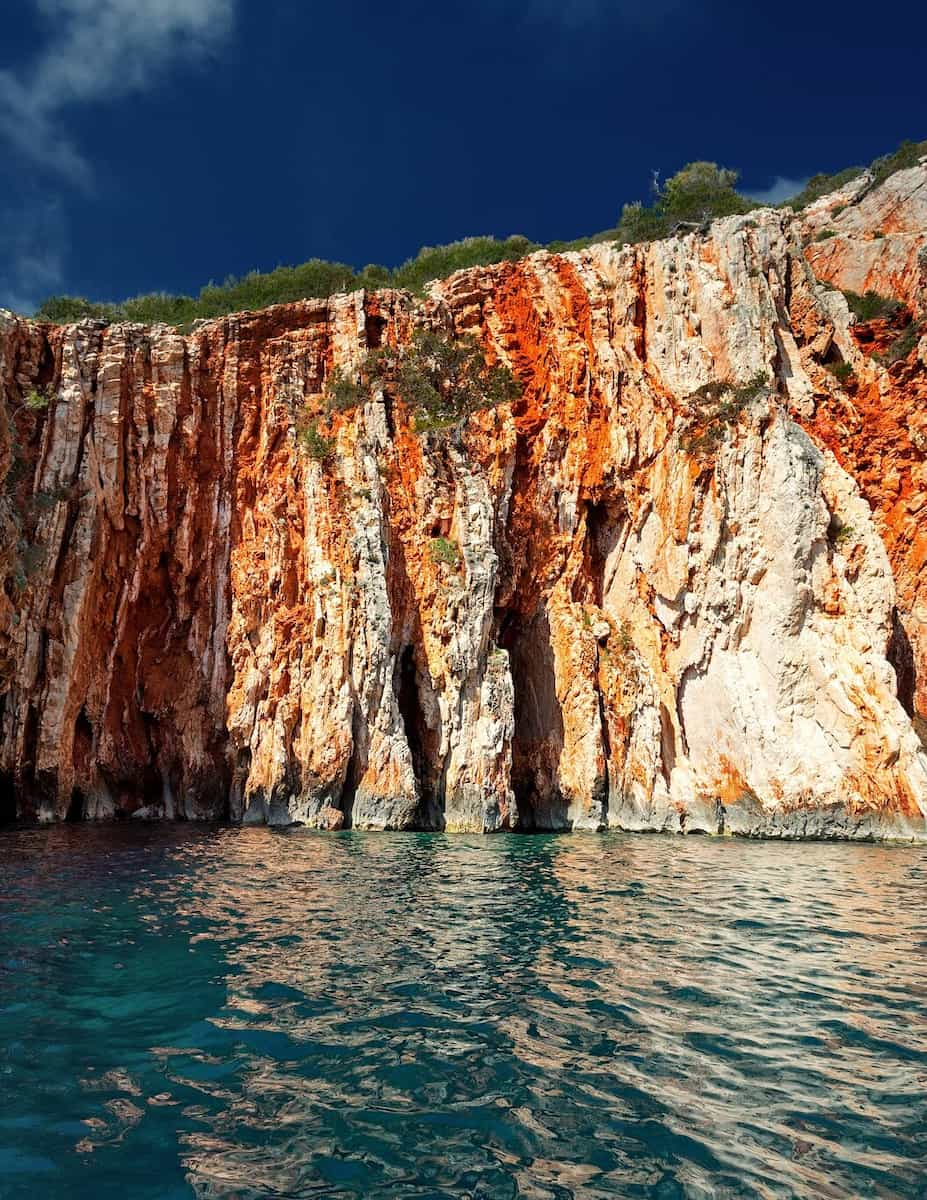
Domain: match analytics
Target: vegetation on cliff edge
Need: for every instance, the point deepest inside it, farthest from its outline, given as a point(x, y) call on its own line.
point(695, 195)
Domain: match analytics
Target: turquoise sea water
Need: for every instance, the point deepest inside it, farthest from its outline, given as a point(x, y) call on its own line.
point(237, 1013)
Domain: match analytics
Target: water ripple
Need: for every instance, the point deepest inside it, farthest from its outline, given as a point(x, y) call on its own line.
point(244, 1014)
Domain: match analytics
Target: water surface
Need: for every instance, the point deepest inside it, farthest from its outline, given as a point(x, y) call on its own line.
point(190, 1012)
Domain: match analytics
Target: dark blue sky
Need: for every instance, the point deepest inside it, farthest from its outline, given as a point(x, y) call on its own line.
point(159, 144)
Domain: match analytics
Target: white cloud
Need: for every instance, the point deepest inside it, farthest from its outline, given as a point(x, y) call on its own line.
point(782, 188)
point(99, 50)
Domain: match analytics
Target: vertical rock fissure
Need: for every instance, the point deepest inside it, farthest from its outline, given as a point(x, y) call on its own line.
point(538, 738)
point(75, 813)
point(901, 655)
point(415, 728)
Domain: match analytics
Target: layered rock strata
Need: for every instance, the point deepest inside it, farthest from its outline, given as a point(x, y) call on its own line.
point(655, 615)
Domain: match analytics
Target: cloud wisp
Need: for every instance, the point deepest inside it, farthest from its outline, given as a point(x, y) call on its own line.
point(99, 50)
point(782, 188)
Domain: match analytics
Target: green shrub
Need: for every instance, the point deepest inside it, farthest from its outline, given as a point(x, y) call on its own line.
point(374, 276)
point(824, 234)
point(314, 442)
point(840, 534)
point(437, 262)
point(841, 370)
point(444, 551)
point(696, 194)
point(871, 306)
point(343, 391)
point(717, 405)
point(442, 380)
point(36, 400)
point(61, 310)
point(700, 192)
point(822, 185)
point(640, 224)
point(907, 155)
point(903, 344)
point(595, 239)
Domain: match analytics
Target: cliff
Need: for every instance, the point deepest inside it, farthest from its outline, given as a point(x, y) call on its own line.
point(625, 600)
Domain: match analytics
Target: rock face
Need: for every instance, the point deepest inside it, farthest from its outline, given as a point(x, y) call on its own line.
point(607, 605)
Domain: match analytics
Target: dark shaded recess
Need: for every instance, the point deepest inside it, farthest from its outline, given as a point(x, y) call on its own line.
point(209, 790)
point(236, 796)
point(901, 656)
point(82, 747)
point(538, 738)
point(30, 741)
point(349, 789)
point(374, 327)
point(75, 811)
point(604, 522)
point(833, 357)
point(7, 798)
point(421, 741)
point(667, 744)
point(151, 783)
point(410, 709)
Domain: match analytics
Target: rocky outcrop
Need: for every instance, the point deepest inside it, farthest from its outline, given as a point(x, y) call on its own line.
point(626, 600)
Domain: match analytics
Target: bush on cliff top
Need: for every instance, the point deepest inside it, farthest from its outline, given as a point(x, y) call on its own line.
point(907, 155)
point(693, 196)
point(821, 185)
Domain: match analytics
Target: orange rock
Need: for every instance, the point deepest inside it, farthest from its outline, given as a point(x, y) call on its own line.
point(662, 612)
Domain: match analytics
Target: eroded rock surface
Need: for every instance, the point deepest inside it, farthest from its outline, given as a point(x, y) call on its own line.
point(658, 618)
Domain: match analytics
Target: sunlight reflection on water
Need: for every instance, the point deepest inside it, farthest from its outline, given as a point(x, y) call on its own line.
point(239, 1013)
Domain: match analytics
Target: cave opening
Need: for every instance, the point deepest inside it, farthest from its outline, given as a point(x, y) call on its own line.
point(901, 655)
point(421, 738)
point(8, 812)
point(374, 326)
point(82, 744)
point(412, 714)
point(604, 522)
point(537, 742)
point(75, 812)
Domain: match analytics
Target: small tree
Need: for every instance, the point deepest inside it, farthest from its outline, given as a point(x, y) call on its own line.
point(693, 196)
point(640, 224)
point(714, 407)
point(374, 276)
point(700, 192)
